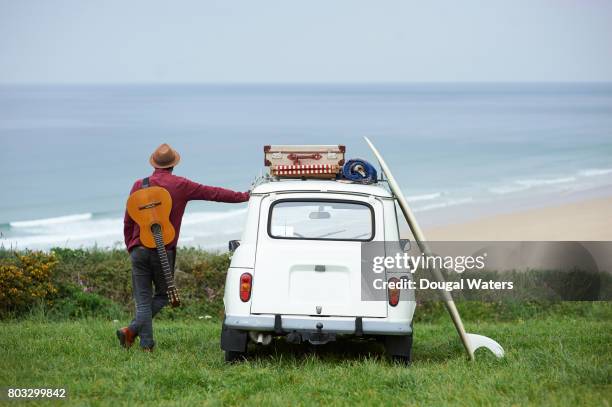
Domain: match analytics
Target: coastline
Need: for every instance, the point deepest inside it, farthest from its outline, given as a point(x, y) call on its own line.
point(584, 215)
point(584, 220)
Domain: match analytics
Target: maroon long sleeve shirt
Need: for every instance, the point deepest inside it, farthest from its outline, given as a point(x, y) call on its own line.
point(182, 191)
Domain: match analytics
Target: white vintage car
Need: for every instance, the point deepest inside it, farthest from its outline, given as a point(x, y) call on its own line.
point(296, 272)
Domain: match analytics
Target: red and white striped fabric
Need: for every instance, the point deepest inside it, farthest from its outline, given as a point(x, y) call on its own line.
point(305, 170)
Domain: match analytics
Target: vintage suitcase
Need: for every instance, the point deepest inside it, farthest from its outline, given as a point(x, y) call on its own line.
point(304, 161)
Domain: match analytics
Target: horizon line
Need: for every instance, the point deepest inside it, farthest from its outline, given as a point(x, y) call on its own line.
point(307, 83)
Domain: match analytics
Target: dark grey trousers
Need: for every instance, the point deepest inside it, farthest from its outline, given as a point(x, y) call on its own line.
point(146, 274)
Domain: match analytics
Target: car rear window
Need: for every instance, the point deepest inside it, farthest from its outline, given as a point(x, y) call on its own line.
point(321, 220)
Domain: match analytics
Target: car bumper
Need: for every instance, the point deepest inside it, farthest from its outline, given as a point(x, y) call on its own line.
point(339, 325)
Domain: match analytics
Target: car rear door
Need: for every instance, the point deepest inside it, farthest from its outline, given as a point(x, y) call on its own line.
point(309, 255)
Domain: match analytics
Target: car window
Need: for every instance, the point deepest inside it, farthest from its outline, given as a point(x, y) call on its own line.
point(326, 220)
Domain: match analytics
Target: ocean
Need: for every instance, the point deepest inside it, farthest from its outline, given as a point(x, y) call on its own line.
point(69, 154)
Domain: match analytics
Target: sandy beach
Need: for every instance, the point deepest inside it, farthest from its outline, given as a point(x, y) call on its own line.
point(588, 220)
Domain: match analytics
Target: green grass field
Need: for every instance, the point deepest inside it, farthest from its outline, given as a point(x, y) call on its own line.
point(554, 359)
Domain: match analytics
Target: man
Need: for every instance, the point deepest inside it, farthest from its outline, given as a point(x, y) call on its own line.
point(146, 267)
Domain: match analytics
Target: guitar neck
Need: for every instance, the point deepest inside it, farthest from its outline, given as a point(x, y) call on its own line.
point(163, 255)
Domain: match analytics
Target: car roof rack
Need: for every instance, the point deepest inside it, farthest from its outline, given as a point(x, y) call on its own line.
point(264, 177)
point(308, 163)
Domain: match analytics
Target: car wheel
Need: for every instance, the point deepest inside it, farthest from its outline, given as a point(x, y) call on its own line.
point(233, 343)
point(402, 360)
point(233, 356)
point(399, 348)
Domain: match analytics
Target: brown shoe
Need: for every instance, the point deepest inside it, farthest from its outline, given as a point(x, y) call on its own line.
point(126, 337)
point(147, 350)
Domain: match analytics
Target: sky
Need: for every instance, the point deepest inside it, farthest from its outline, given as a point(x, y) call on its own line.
point(308, 41)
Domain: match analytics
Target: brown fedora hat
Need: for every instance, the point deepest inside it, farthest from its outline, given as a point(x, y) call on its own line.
point(164, 156)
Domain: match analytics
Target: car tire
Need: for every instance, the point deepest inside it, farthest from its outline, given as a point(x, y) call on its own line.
point(402, 360)
point(233, 356)
point(399, 348)
point(233, 343)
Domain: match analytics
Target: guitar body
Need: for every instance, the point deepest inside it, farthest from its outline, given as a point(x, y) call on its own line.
point(150, 208)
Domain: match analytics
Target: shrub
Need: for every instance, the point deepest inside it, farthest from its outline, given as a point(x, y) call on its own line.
point(103, 272)
point(200, 277)
point(25, 280)
point(73, 302)
point(75, 283)
point(106, 274)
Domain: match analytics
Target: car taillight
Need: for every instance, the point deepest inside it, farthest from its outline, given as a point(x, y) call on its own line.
point(394, 293)
point(246, 281)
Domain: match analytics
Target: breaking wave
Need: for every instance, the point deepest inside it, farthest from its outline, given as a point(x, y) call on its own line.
point(424, 197)
point(579, 178)
point(51, 221)
point(444, 204)
point(593, 172)
point(87, 229)
point(529, 183)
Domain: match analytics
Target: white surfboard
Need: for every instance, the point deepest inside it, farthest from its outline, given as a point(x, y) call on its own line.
point(471, 342)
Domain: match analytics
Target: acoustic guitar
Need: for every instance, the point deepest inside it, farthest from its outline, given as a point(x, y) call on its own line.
point(150, 208)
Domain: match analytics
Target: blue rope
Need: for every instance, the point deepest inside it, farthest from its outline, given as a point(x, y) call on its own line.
point(359, 170)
